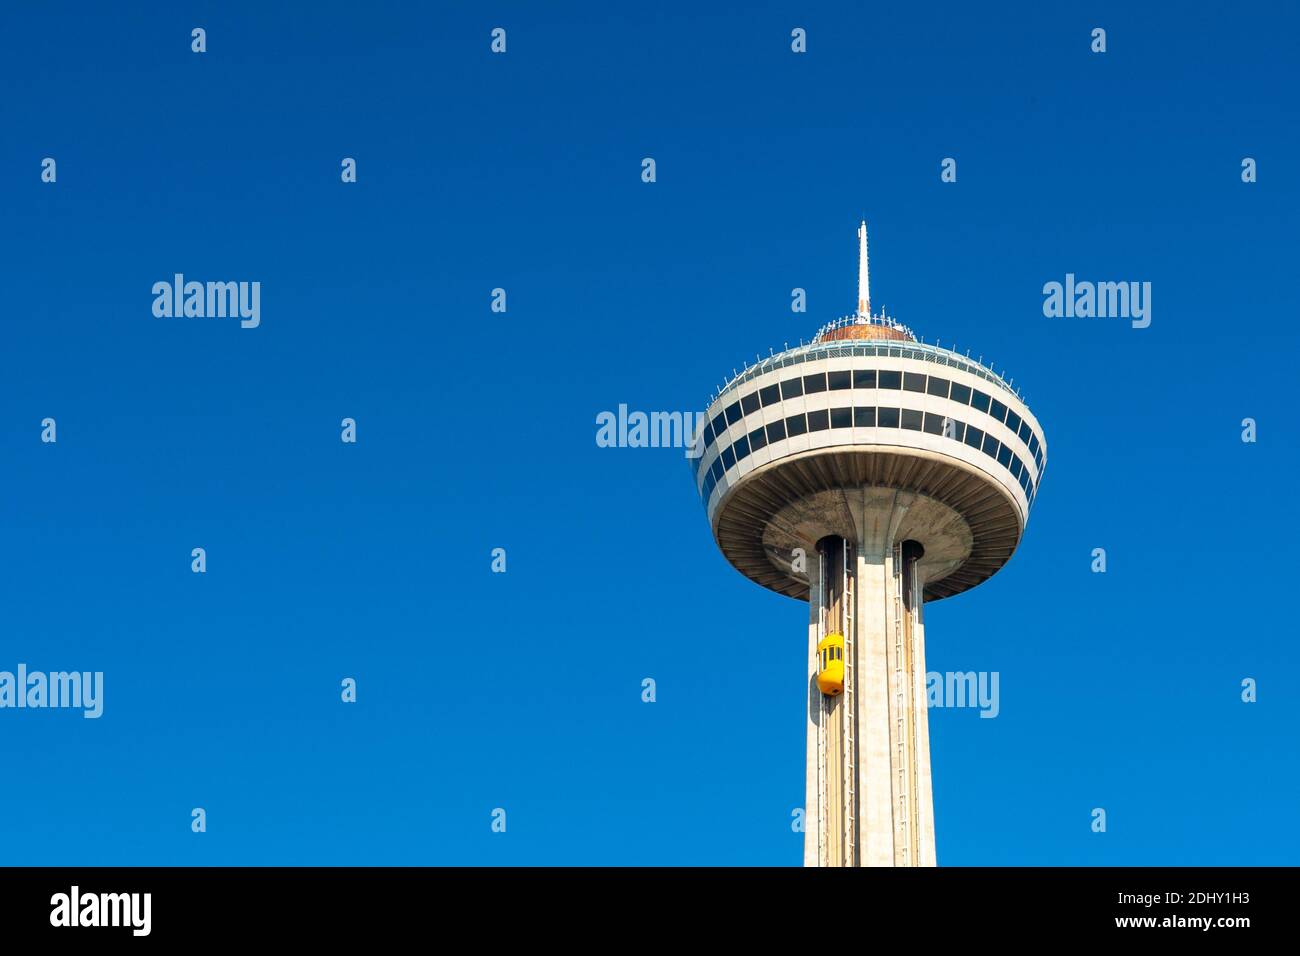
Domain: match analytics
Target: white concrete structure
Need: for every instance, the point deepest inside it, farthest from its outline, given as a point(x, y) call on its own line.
point(869, 473)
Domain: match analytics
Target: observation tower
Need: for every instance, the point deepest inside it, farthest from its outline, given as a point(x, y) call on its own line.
point(868, 473)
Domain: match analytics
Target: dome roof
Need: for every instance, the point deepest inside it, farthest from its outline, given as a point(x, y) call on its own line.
point(859, 327)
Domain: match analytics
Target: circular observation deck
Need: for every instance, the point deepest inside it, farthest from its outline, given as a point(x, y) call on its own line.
point(796, 446)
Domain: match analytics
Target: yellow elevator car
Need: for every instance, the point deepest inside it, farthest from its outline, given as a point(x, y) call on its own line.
point(830, 673)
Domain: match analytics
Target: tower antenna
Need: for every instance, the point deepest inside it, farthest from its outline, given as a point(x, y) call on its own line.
point(864, 275)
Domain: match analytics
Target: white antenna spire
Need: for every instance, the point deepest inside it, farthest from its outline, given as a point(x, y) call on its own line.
point(864, 277)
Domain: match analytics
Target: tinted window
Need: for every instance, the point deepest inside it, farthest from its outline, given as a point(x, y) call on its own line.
point(792, 388)
point(839, 379)
point(716, 470)
point(990, 445)
point(980, 400)
point(912, 419)
point(728, 458)
point(864, 417)
point(770, 395)
point(814, 383)
point(933, 423)
point(776, 431)
point(749, 403)
point(795, 425)
point(733, 413)
point(960, 394)
point(1013, 420)
point(973, 436)
point(891, 379)
point(887, 417)
point(1024, 432)
point(998, 411)
point(864, 378)
point(819, 421)
point(1033, 444)
point(742, 448)
point(708, 434)
point(937, 386)
point(757, 438)
point(841, 418)
point(719, 425)
point(1016, 468)
point(913, 382)
point(1004, 456)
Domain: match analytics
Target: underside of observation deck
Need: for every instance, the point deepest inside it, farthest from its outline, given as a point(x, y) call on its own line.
point(746, 518)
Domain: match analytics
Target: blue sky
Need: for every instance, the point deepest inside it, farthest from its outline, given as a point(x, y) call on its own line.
point(476, 430)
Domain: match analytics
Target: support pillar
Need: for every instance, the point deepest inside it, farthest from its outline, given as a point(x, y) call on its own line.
point(892, 815)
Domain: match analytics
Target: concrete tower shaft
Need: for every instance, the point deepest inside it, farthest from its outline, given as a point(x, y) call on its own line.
point(868, 789)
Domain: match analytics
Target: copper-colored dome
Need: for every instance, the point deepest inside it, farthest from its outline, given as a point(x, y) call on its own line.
point(865, 331)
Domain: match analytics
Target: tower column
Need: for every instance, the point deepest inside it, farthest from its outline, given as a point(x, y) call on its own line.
point(812, 816)
point(832, 840)
point(887, 748)
point(836, 736)
point(920, 703)
point(875, 570)
point(909, 725)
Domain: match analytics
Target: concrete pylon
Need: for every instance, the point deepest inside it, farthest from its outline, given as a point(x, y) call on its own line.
point(884, 816)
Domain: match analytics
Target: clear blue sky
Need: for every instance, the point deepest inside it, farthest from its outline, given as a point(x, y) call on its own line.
point(476, 430)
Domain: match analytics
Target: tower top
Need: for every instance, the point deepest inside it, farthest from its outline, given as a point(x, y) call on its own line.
point(862, 324)
point(864, 273)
